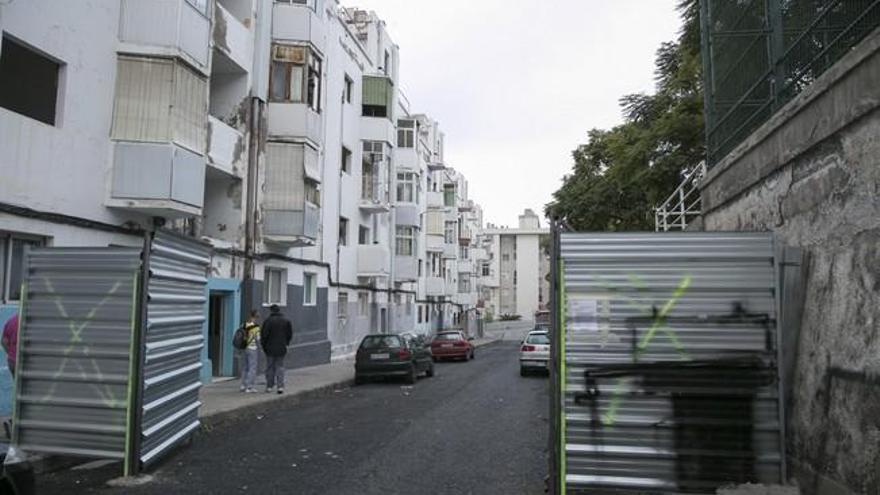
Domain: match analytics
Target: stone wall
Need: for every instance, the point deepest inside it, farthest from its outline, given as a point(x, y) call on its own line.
point(812, 175)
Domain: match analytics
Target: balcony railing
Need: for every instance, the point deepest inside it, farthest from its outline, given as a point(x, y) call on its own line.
point(683, 205)
point(373, 260)
point(293, 228)
point(374, 194)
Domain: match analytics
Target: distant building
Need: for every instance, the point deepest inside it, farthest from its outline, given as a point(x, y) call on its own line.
point(513, 276)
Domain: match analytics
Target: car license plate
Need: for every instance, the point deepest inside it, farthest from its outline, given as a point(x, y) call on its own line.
point(379, 356)
point(446, 345)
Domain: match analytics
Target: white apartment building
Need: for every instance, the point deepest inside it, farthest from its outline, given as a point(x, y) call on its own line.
point(274, 131)
point(514, 277)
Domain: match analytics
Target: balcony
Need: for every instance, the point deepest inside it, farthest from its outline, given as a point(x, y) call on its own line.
point(435, 286)
point(450, 251)
point(435, 166)
point(406, 268)
point(168, 28)
point(434, 243)
point(157, 179)
point(373, 260)
point(467, 299)
point(295, 120)
point(374, 195)
point(435, 199)
point(465, 266)
point(227, 148)
point(406, 158)
point(378, 129)
point(292, 228)
point(233, 39)
point(464, 237)
point(407, 214)
point(292, 22)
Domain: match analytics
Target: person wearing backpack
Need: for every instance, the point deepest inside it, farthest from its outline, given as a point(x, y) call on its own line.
point(247, 339)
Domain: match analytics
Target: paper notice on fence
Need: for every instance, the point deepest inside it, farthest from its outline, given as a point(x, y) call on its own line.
point(583, 315)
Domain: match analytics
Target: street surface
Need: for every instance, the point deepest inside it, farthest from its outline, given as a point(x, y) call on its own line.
point(475, 428)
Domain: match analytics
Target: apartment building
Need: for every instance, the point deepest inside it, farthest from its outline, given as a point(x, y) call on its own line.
point(514, 276)
point(275, 131)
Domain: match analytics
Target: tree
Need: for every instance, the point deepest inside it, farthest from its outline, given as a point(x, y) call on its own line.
point(620, 174)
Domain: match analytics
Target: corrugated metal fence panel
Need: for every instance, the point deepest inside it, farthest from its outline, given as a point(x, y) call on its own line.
point(74, 362)
point(670, 361)
point(175, 314)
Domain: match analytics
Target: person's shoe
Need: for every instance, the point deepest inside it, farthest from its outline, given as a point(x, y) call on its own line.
point(242, 388)
point(250, 390)
point(280, 390)
point(268, 390)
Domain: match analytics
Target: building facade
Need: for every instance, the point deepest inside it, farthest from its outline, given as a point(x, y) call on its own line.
point(514, 273)
point(276, 132)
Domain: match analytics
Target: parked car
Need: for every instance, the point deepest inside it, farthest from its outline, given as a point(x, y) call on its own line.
point(383, 355)
point(452, 345)
point(534, 353)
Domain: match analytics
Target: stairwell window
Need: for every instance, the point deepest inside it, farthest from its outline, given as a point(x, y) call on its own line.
point(12, 248)
point(449, 195)
point(295, 76)
point(342, 305)
point(363, 303)
point(29, 82)
point(406, 241)
point(343, 231)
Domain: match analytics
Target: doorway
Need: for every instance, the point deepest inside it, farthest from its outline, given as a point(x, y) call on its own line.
point(219, 322)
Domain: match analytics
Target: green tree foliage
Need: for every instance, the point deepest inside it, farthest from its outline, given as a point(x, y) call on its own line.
point(620, 174)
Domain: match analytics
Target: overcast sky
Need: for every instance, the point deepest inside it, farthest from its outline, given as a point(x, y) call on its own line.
point(517, 85)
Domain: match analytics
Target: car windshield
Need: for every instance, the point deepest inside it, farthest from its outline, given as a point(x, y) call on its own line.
point(538, 338)
point(380, 342)
point(449, 336)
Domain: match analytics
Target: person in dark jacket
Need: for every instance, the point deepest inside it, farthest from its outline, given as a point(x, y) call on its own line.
point(275, 336)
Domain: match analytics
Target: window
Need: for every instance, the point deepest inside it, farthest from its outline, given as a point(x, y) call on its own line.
point(295, 76)
point(387, 64)
point(464, 285)
point(310, 3)
point(200, 5)
point(407, 187)
point(378, 96)
point(406, 241)
point(310, 289)
point(342, 305)
point(421, 267)
point(406, 133)
point(449, 195)
point(160, 100)
point(486, 269)
point(312, 192)
point(363, 235)
point(343, 231)
point(28, 82)
point(420, 314)
point(374, 152)
point(370, 189)
point(363, 303)
point(275, 286)
point(12, 248)
point(346, 160)
point(463, 252)
point(349, 87)
point(408, 305)
point(449, 232)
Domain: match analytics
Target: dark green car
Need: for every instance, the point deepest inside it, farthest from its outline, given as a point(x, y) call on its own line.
point(381, 355)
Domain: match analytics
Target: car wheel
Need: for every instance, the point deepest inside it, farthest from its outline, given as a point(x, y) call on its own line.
point(430, 371)
point(358, 380)
point(522, 371)
point(411, 376)
point(435, 359)
point(473, 354)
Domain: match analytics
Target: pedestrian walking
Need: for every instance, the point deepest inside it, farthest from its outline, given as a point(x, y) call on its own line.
point(275, 336)
point(10, 342)
point(250, 353)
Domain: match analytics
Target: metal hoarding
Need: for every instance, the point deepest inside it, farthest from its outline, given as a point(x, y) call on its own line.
point(668, 353)
point(172, 342)
point(74, 370)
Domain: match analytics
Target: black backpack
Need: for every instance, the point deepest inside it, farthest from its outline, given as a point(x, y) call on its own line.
point(240, 338)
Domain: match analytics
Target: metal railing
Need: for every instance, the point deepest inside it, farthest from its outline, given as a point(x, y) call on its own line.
point(760, 54)
point(683, 205)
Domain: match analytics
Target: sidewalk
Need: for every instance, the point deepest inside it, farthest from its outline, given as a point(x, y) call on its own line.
point(224, 397)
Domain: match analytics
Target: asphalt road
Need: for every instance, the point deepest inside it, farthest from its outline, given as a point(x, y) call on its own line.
point(475, 428)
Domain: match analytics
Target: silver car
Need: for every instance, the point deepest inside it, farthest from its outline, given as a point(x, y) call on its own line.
point(534, 353)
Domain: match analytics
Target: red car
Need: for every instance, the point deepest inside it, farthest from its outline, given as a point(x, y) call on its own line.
point(452, 345)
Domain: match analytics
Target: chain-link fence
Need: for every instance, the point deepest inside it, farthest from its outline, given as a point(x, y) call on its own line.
point(759, 54)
